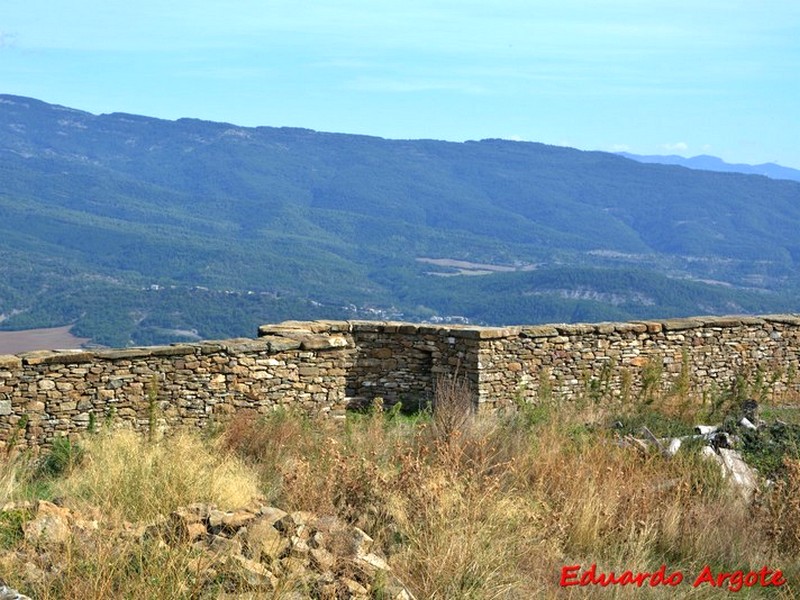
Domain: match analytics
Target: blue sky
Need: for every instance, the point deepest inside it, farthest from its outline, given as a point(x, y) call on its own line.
point(647, 76)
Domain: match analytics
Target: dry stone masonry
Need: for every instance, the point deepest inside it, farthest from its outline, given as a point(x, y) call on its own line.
point(325, 367)
point(258, 551)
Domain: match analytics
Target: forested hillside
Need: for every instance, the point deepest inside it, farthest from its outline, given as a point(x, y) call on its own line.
point(141, 230)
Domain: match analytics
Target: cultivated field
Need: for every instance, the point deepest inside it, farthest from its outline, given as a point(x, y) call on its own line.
point(14, 342)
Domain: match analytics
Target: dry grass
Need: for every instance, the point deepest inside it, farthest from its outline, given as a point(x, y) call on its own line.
point(107, 567)
point(125, 475)
point(491, 508)
point(9, 480)
point(16, 472)
point(462, 507)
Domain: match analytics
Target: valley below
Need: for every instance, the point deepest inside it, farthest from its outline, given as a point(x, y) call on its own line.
point(16, 342)
point(145, 231)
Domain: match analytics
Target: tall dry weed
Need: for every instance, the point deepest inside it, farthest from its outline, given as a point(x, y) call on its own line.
point(493, 508)
point(124, 474)
point(106, 567)
point(782, 509)
point(9, 479)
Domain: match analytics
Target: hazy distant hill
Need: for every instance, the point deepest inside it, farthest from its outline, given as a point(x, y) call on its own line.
point(146, 230)
point(712, 163)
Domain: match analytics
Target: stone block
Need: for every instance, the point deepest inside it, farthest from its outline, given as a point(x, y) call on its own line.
point(123, 353)
point(210, 347)
point(174, 350)
point(630, 328)
point(366, 326)
point(52, 357)
point(322, 342)
point(652, 326)
point(484, 333)
point(9, 361)
point(605, 328)
point(539, 331)
point(784, 319)
point(282, 344)
point(681, 324)
point(575, 329)
point(246, 345)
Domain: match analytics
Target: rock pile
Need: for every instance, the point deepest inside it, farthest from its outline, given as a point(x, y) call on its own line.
point(720, 443)
point(256, 550)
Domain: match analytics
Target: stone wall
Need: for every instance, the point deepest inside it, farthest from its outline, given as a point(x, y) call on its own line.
point(324, 367)
point(50, 393)
point(633, 361)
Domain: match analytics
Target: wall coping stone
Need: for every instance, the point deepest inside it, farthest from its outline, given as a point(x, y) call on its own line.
point(681, 324)
point(574, 328)
point(630, 327)
point(323, 342)
point(210, 347)
point(50, 357)
point(650, 326)
point(122, 353)
point(536, 331)
point(723, 322)
point(730, 321)
point(367, 326)
point(245, 345)
point(329, 334)
point(281, 344)
point(485, 333)
point(323, 365)
point(787, 319)
point(321, 326)
point(10, 361)
point(173, 350)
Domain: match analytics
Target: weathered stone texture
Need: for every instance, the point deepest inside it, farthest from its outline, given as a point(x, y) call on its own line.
point(322, 367)
point(45, 394)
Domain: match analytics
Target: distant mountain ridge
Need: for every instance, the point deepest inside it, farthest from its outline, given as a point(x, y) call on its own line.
point(141, 230)
point(712, 163)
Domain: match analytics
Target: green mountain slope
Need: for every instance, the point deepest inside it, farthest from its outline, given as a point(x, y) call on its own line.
point(137, 228)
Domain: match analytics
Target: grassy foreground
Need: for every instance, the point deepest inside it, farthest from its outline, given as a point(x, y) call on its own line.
point(461, 507)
